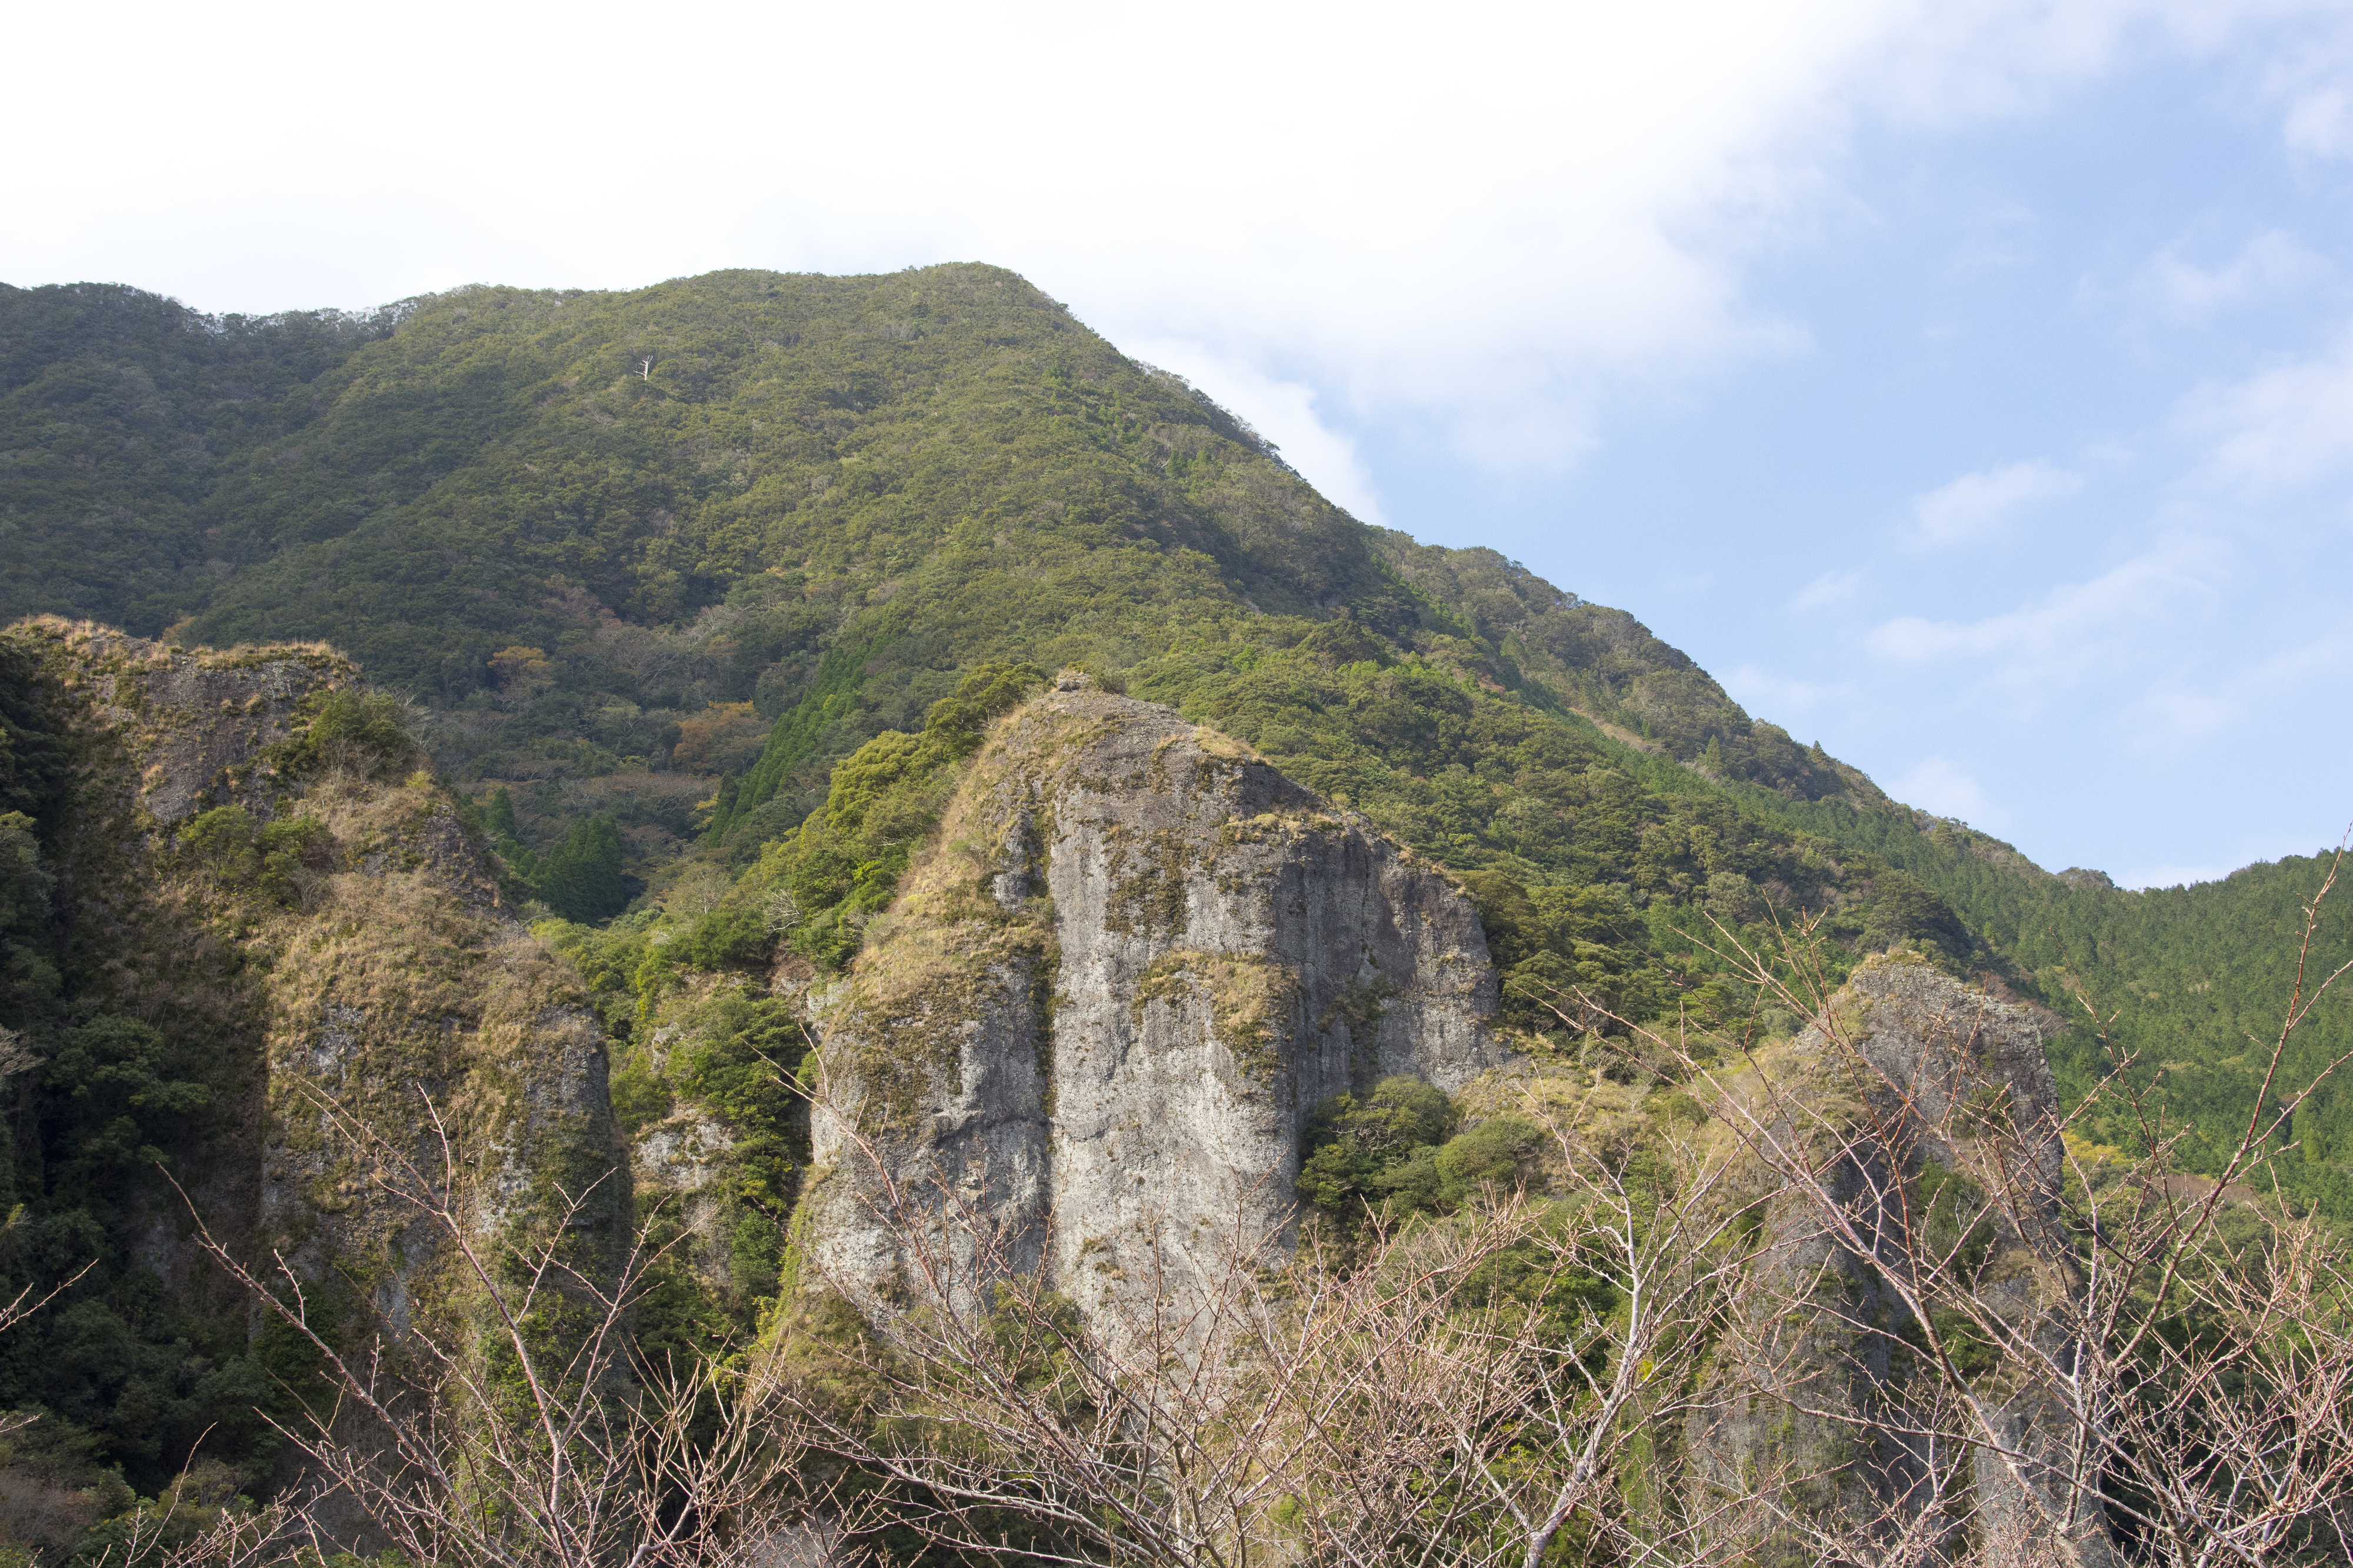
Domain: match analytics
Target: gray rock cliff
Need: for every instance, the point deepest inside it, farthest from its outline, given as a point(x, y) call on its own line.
point(1103, 1007)
point(375, 965)
point(1924, 1107)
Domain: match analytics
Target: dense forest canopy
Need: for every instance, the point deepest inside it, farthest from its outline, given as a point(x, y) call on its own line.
point(702, 593)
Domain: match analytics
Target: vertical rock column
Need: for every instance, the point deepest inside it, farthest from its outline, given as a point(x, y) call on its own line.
point(1138, 958)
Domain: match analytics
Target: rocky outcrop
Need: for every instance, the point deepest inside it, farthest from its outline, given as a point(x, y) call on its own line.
point(1925, 1115)
point(1103, 1005)
point(339, 973)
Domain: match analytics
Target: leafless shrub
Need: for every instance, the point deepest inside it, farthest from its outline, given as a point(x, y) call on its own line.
point(2108, 1370)
point(24, 1303)
point(1478, 1387)
point(1466, 1391)
point(988, 1417)
point(2016, 1353)
point(514, 1426)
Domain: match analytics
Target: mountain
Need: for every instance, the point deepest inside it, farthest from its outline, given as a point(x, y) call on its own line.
point(734, 526)
point(702, 599)
point(2191, 981)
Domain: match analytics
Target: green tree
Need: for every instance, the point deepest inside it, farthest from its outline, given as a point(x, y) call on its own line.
point(580, 879)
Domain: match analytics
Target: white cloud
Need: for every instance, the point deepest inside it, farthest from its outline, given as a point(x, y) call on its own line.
point(1978, 504)
point(2270, 265)
point(1944, 787)
point(1282, 411)
point(2073, 628)
point(2285, 428)
point(1833, 588)
point(2321, 123)
point(2311, 89)
point(2179, 713)
point(1952, 64)
point(1492, 222)
point(1779, 697)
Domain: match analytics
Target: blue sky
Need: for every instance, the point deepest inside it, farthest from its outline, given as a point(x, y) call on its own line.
point(1966, 386)
point(2041, 517)
point(2044, 521)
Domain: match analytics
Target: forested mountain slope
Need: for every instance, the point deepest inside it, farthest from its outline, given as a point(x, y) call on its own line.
point(652, 564)
point(2192, 980)
point(118, 412)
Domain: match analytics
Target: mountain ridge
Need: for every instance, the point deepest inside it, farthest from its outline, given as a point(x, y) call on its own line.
point(666, 557)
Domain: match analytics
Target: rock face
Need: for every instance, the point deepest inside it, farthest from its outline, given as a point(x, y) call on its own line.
point(1101, 1011)
point(1915, 1097)
point(337, 982)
